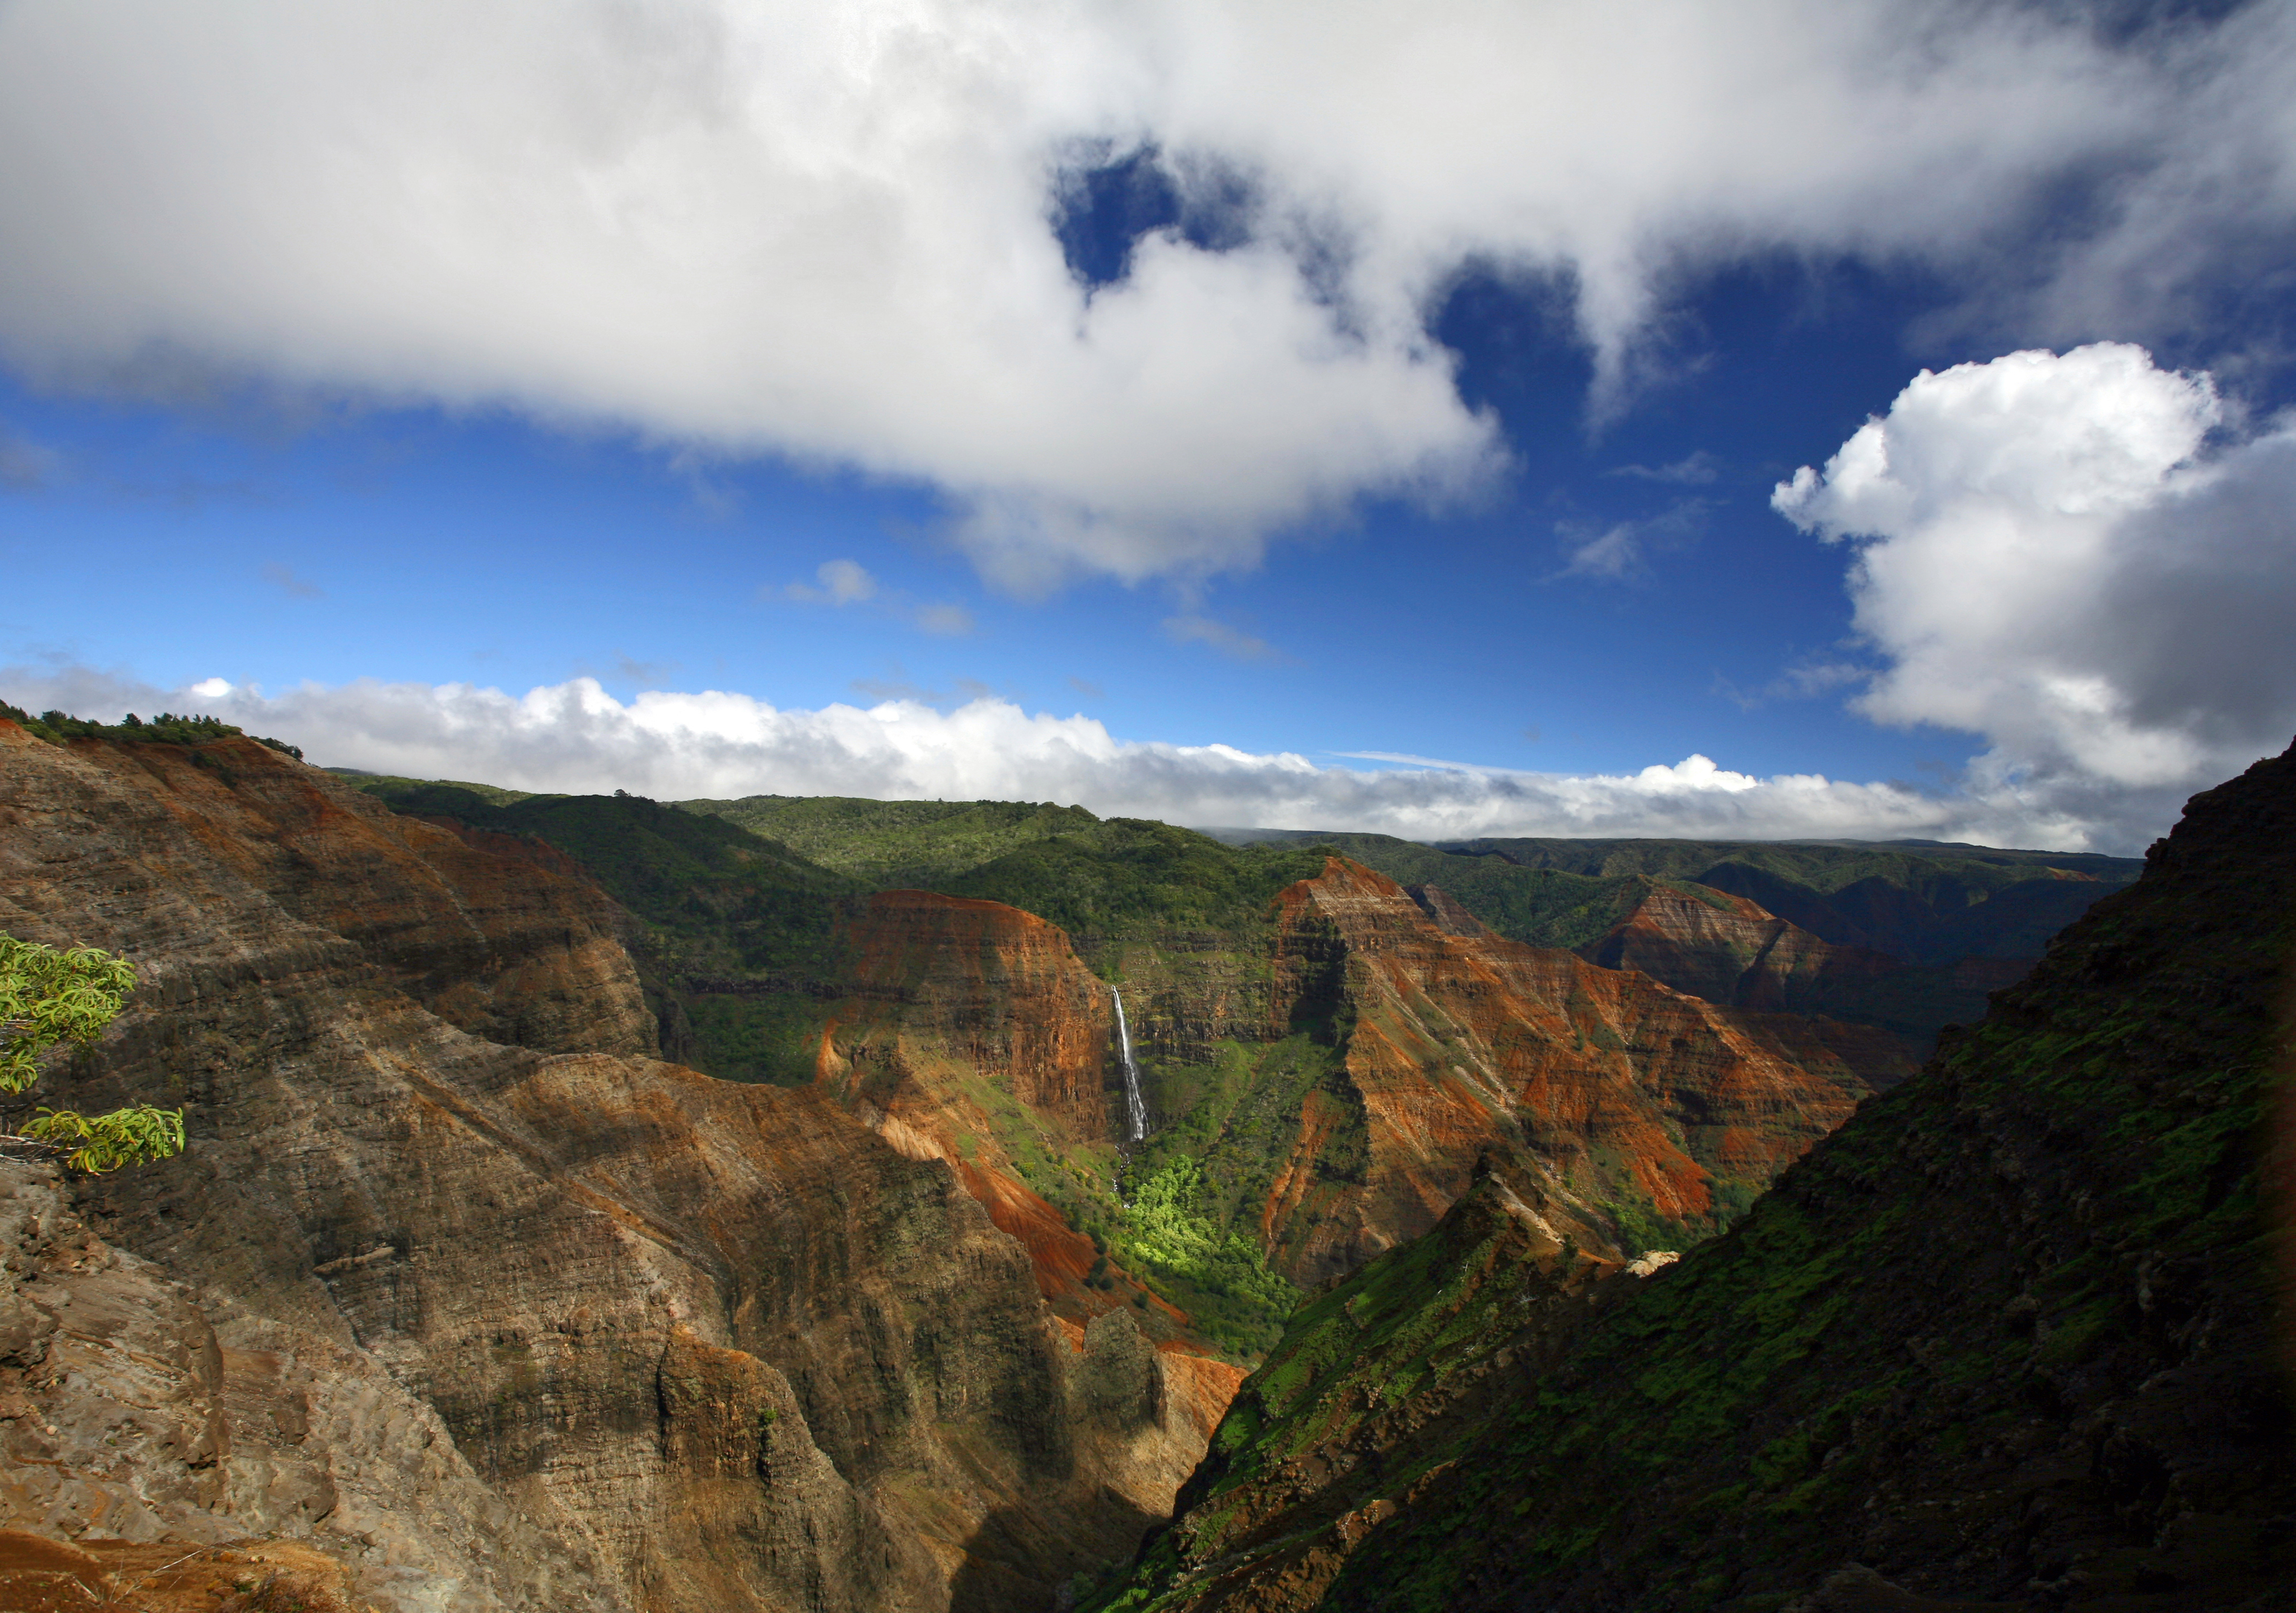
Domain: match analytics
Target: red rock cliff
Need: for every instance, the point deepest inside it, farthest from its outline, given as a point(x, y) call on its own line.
point(970, 1023)
point(1607, 1085)
point(1731, 951)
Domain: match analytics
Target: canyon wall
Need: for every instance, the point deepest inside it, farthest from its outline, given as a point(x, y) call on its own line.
point(629, 1336)
point(2012, 1338)
point(1631, 1102)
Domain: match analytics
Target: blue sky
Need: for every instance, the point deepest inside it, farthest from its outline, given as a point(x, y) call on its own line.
point(1356, 397)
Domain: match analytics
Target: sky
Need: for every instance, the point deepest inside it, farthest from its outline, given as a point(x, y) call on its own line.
point(1766, 419)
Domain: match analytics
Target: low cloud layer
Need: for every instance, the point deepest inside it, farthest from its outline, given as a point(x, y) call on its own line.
point(829, 232)
point(576, 738)
point(2053, 552)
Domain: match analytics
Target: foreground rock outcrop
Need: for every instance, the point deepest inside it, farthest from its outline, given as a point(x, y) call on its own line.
point(2004, 1340)
point(456, 1280)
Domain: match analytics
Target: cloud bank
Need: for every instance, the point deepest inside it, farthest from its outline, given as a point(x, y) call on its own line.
point(829, 232)
point(576, 738)
point(2052, 552)
point(2075, 557)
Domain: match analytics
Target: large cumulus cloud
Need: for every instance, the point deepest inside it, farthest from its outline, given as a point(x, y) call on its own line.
point(2078, 557)
point(825, 230)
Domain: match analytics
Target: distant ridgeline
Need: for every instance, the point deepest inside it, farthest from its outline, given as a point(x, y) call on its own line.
point(767, 954)
point(1915, 934)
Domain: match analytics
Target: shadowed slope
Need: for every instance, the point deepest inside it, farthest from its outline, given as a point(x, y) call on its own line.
point(2004, 1339)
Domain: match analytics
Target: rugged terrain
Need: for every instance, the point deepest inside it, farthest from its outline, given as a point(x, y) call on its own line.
point(1907, 937)
point(461, 1285)
point(1325, 1055)
point(461, 1289)
point(2005, 1339)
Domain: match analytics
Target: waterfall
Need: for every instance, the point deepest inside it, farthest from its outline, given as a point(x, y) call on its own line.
point(1135, 1112)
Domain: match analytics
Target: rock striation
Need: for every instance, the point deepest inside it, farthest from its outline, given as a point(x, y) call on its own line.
point(1625, 1096)
point(464, 1287)
point(1730, 949)
point(2009, 1338)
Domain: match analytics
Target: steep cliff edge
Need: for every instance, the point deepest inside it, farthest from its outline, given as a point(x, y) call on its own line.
point(2004, 1340)
point(970, 1033)
point(1326, 1088)
point(1729, 949)
point(704, 1346)
point(1644, 1112)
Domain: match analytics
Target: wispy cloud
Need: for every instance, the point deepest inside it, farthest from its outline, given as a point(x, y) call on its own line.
point(284, 578)
point(1622, 551)
point(1233, 642)
point(25, 466)
point(843, 582)
point(1693, 470)
point(1802, 680)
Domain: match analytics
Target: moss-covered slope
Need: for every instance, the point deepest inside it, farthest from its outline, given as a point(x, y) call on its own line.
point(2005, 1337)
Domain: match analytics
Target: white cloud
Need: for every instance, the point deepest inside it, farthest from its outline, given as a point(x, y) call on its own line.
point(1693, 469)
point(2052, 558)
point(738, 226)
point(1622, 551)
point(575, 736)
point(843, 582)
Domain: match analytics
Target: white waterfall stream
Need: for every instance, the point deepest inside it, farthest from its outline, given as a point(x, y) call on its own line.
point(1135, 1111)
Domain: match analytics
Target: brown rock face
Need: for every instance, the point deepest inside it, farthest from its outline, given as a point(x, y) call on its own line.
point(517, 949)
point(966, 1013)
point(1607, 1086)
point(999, 989)
point(1730, 950)
point(161, 1428)
point(653, 1341)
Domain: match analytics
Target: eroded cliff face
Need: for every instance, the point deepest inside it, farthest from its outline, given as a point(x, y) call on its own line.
point(189, 1447)
point(682, 1344)
point(973, 1035)
point(2011, 1337)
point(1378, 1045)
point(1615, 1091)
point(1731, 950)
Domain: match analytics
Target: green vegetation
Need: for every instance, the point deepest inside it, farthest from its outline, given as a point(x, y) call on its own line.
point(737, 945)
point(51, 999)
point(889, 846)
point(1088, 875)
point(166, 728)
point(391, 787)
point(1164, 1235)
point(1416, 1324)
point(1131, 876)
point(2049, 1241)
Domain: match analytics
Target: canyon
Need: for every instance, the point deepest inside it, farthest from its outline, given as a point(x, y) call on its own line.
point(470, 1292)
point(502, 1311)
point(2015, 1337)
